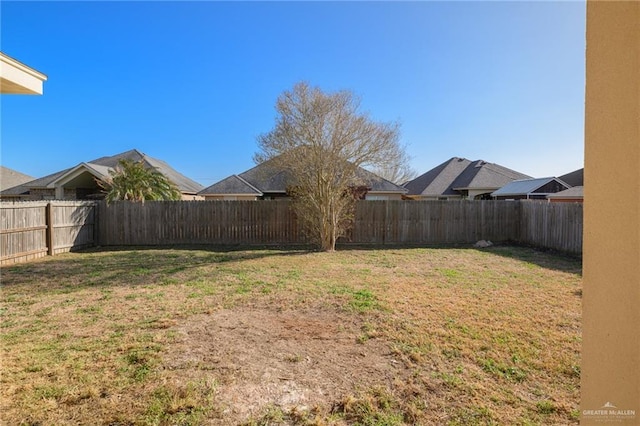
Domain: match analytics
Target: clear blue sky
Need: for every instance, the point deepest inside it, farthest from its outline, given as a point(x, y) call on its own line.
point(195, 83)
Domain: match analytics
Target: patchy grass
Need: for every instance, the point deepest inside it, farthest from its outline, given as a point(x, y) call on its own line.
point(468, 336)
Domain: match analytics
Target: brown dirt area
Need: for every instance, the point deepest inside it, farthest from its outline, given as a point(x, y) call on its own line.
point(294, 360)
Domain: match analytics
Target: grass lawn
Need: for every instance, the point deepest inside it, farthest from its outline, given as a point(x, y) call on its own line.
point(264, 337)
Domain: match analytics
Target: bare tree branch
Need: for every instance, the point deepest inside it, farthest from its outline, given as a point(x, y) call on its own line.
point(322, 140)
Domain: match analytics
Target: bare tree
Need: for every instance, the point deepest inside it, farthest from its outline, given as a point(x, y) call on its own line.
point(398, 171)
point(322, 140)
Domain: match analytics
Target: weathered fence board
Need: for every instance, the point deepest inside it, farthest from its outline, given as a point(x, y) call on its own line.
point(556, 226)
point(23, 231)
point(434, 222)
point(29, 230)
point(197, 222)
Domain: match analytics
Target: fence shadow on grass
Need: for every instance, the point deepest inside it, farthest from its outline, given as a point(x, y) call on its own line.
point(543, 258)
point(130, 266)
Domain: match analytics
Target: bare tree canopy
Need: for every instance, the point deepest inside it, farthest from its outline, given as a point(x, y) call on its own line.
point(132, 181)
point(322, 140)
point(399, 172)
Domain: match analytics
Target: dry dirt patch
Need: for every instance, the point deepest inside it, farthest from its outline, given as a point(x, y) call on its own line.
point(261, 358)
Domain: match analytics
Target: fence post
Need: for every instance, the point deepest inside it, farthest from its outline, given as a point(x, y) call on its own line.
point(49, 230)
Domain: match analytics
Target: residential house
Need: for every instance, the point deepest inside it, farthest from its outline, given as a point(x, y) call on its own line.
point(575, 194)
point(266, 182)
point(530, 189)
point(459, 178)
point(79, 182)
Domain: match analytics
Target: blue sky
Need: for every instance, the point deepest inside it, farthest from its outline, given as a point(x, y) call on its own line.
point(194, 83)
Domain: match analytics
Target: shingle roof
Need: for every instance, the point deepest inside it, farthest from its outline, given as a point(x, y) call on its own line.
point(575, 178)
point(36, 183)
point(460, 173)
point(268, 178)
point(481, 174)
point(231, 185)
point(573, 192)
point(437, 181)
point(103, 164)
point(377, 183)
point(10, 178)
point(522, 187)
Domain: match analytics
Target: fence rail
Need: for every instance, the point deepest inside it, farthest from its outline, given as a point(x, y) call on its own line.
point(34, 229)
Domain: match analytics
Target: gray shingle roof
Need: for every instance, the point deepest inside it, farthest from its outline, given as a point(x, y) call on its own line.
point(573, 192)
point(438, 180)
point(460, 173)
point(480, 174)
point(231, 185)
point(268, 178)
point(575, 178)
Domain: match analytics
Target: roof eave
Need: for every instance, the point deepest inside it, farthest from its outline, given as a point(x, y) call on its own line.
point(17, 78)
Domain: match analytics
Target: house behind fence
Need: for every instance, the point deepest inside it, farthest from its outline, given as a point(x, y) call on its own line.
point(30, 230)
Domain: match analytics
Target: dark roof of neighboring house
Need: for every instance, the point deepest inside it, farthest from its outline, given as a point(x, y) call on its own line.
point(268, 178)
point(575, 192)
point(460, 173)
point(232, 185)
point(103, 164)
point(10, 178)
point(575, 178)
point(524, 186)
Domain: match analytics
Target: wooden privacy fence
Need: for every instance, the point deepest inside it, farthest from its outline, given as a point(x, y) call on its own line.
point(556, 226)
point(198, 222)
point(33, 229)
point(434, 222)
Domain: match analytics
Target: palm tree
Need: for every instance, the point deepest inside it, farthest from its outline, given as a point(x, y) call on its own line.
point(133, 181)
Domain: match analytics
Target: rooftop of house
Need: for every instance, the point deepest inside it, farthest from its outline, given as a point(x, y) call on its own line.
point(103, 165)
point(266, 177)
point(10, 178)
point(575, 178)
point(524, 186)
point(459, 173)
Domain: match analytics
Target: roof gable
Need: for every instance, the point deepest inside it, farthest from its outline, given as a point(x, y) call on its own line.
point(233, 184)
point(102, 166)
point(459, 173)
point(525, 186)
point(438, 180)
